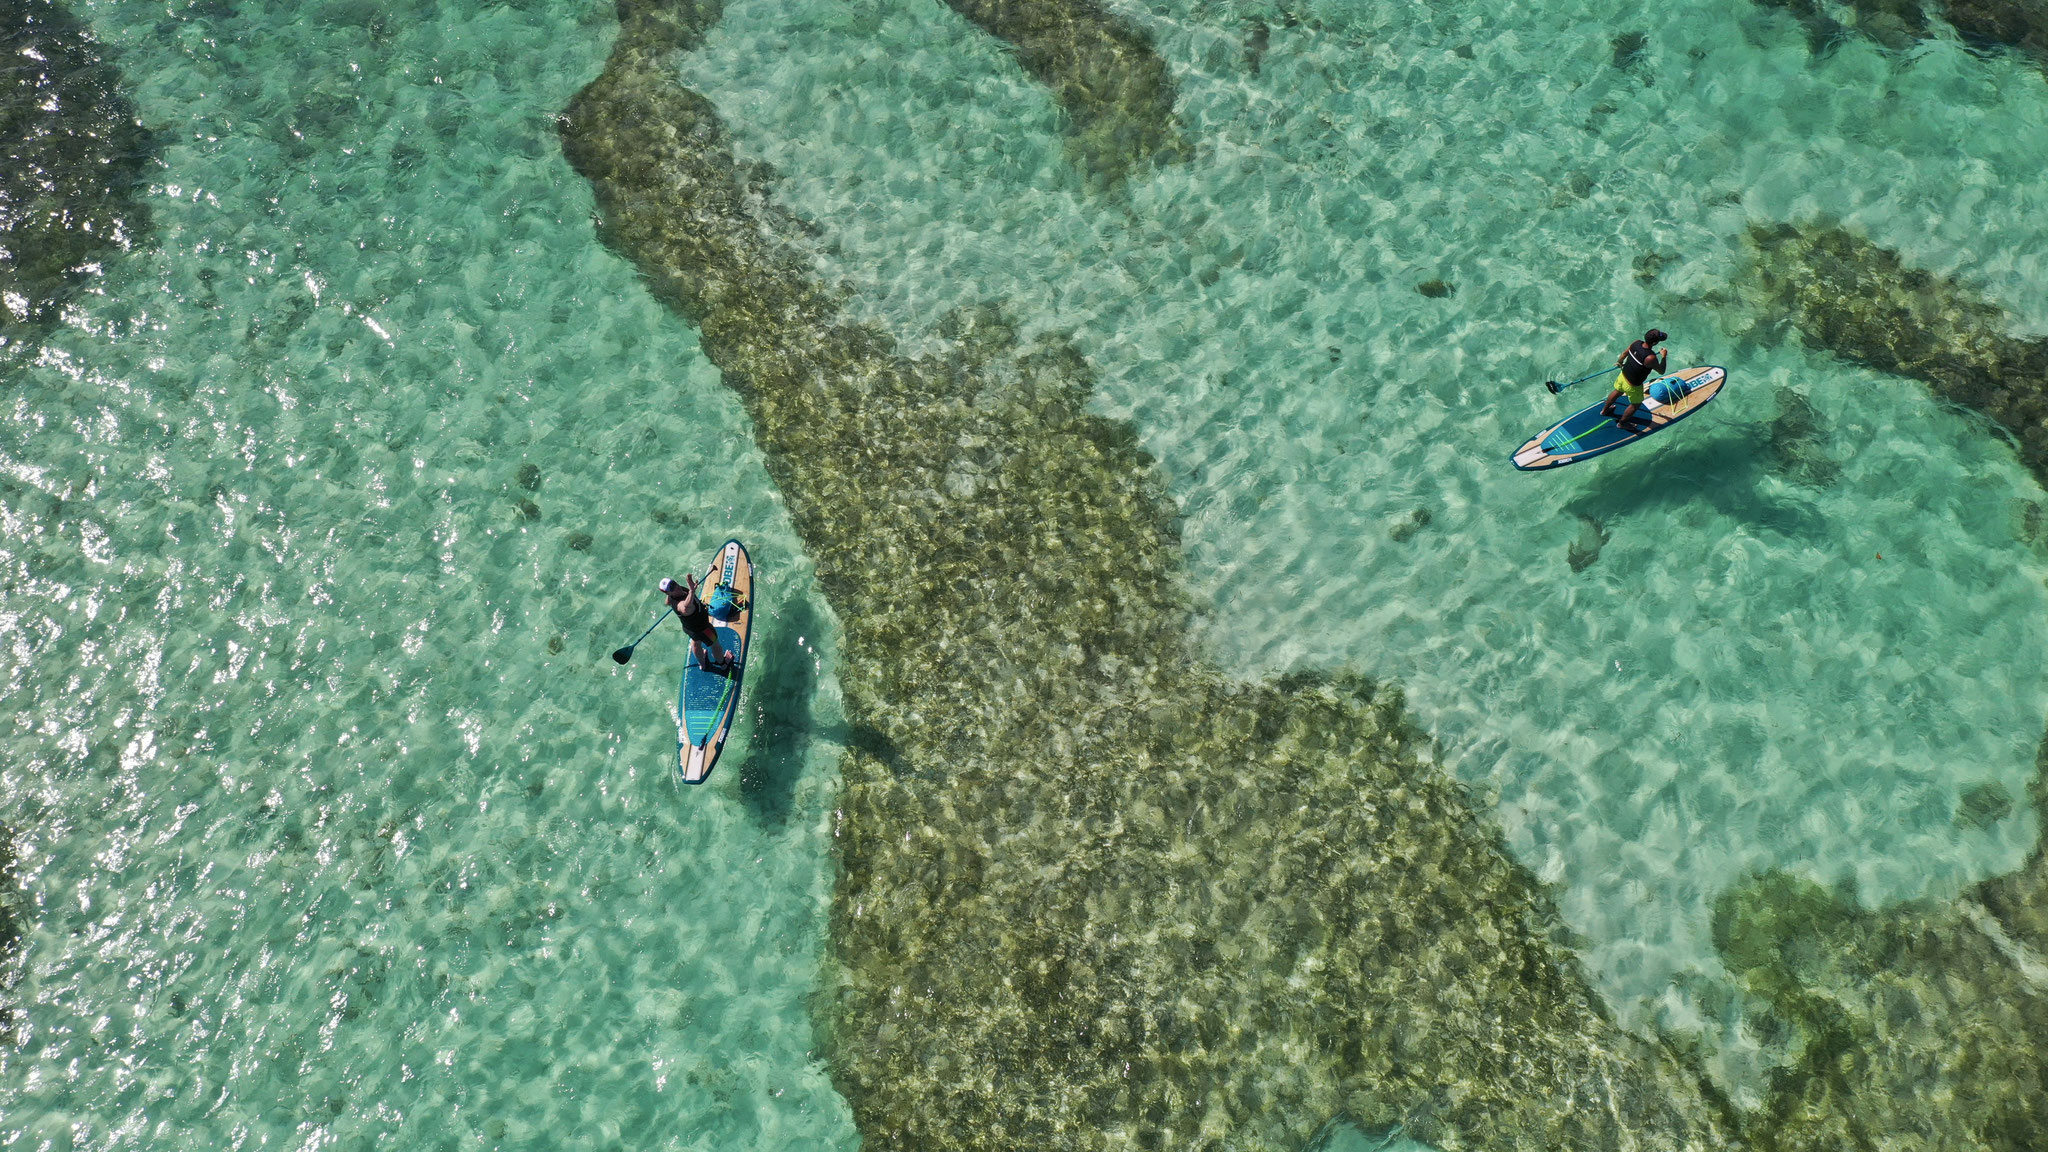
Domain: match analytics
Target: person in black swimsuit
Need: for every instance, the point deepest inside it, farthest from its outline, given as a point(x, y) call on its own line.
point(696, 618)
point(1636, 363)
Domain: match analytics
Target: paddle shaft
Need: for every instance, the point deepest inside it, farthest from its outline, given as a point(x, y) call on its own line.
point(1555, 387)
point(626, 653)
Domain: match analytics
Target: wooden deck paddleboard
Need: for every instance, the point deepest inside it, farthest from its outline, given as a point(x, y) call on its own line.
point(1586, 433)
point(710, 697)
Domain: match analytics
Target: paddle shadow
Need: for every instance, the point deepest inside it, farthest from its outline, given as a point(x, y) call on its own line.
point(784, 727)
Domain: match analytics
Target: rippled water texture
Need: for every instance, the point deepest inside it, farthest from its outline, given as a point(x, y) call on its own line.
point(339, 824)
point(331, 472)
point(1793, 634)
point(72, 156)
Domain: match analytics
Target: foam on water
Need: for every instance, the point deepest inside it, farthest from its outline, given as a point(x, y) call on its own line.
point(1684, 663)
point(321, 523)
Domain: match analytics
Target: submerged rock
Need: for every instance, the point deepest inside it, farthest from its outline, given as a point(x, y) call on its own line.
point(1924, 1026)
point(1797, 443)
point(13, 916)
point(1584, 550)
point(2021, 24)
point(72, 158)
point(1845, 295)
point(1898, 24)
point(1092, 892)
point(1930, 1019)
point(1405, 528)
point(1628, 49)
point(1102, 71)
point(1983, 805)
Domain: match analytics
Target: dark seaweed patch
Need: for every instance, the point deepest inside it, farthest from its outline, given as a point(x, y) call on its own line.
point(1874, 1033)
point(1628, 49)
point(1102, 70)
point(1847, 296)
point(72, 162)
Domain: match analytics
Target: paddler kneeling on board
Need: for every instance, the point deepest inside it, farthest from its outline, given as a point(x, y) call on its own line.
point(696, 618)
point(1636, 362)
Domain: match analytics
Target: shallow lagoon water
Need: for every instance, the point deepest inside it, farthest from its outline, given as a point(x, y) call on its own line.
point(342, 827)
point(1680, 665)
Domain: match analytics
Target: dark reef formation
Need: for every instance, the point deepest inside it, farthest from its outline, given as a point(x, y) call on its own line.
point(13, 907)
point(2021, 24)
point(1101, 70)
point(1898, 24)
point(1093, 893)
point(1852, 298)
point(72, 158)
point(1918, 1027)
point(1926, 1025)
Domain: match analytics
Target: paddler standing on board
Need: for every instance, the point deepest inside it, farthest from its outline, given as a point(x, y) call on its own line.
point(696, 618)
point(1636, 362)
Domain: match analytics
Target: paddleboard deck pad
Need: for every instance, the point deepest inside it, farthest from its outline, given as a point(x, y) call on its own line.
point(710, 697)
point(1586, 433)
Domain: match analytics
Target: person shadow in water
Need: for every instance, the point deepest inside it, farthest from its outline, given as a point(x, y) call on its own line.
point(1723, 470)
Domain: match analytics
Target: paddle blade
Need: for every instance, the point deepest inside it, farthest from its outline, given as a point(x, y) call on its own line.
point(623, 654)
point(1552, 385)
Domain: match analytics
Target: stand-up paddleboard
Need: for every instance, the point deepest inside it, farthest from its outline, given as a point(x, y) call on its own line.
point(1586, 433)
point(711, 696)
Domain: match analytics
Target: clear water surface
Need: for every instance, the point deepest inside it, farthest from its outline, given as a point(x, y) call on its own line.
point(1757, 667)
point(343, 828)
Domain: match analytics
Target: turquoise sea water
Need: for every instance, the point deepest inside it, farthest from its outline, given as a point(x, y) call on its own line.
point(341, 825)
point(324, 513)
point(1756, 670)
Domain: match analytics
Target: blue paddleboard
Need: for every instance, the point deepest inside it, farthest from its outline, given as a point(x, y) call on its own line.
point(710, 697)
point(1586, 433)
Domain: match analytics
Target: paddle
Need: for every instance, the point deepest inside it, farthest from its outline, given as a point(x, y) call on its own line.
point(1555, 387)
point(626, 653)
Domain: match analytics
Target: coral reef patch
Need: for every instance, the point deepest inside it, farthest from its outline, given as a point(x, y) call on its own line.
point(2001, 24)
point(1930, 1019)
point(1848, 296)
point(1100, 68)
point(1898, 24)
point(72, 159)
point(72, 156)
point(1093, 893)
point(13, 914)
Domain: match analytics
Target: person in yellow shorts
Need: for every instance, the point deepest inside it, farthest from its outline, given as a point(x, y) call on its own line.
point(1636, 363)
